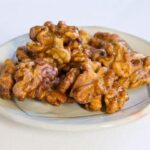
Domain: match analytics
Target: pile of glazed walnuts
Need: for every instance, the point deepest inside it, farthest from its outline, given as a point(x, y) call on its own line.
point(63, 64)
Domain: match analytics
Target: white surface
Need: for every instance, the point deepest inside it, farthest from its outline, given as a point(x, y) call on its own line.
point(17, 16)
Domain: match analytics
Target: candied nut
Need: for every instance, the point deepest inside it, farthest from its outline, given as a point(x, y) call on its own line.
point(59, 53)
point(84, 88)
point(30, 75)
point(108, 37)
point(109, 49)
point(45, 37)
point(6, 79)
point(84, 36)
point(95, 66)
point(106, 80)
point(117, 102)
point(106, 61)
point(34, 32)
point(109, 78)
point(89, 65)
point(97, 43)
point(42, 35)
point(56, 98)
point(51, 26)
point(125, 82)
point(137, 64)
point(138, 78)
point(6, 84)
point(146, 62)
point(74, 44)
point(19, 90)
point(83, 94)
point(72, 35)
point(85, 78)
point(78, 56)
point(35, 47)
point(95, 104)
point(121, 52)
point(40, 93)
point(64, 62)
point(68, 81)
point(98, 53)
point(102, 71)
point(62, 24)
point(9, 66)
point(21, 53)
point(1, 67)
point(122, 69)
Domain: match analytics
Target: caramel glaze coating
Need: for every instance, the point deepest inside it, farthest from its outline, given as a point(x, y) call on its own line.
point(7, 79)
point(32, 75)
point(63, 62)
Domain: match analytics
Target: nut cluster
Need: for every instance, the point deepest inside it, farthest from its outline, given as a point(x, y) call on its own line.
point(63, 64)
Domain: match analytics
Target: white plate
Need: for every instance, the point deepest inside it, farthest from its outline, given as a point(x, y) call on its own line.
point(71, 116)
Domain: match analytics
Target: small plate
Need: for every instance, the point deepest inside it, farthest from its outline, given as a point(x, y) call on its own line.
point(71, 116)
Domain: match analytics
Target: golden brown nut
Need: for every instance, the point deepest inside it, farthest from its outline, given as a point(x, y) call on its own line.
point(42, 35)
point(72, 35)
point(1, 67)
point(68, 81)
point(51, 26)
point(85, 37)
point(115, 99)
point(30, 75)
point(34, 32)
point(85, 87)
point(138, 78)
point(146, 63)
point(74, 44)
point(45, 37)
point(122, 69)
point(121, 53)
point(109, 78)
point(124, 82)
point(6, 84)
point(56, 98)
point(42, 39)
point(95, 104)
point(84, 94)
point(21, 53)
point(58, 52)
point(110, 38)
point(35, 47)
point(97, 43)
point(77, 55)
point(97, 53)
point(6, 79)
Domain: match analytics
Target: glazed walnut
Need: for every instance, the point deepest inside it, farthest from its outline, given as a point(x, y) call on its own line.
point(95, 104)
point(69, 79)
point(22, 54)
point(115, 98)
point(6, 79)
point(58, 52)
point(56, 98)
point(85, 87)
point(29, 75)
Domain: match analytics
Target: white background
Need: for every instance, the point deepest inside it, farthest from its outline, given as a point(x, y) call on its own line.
point(132, 16)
